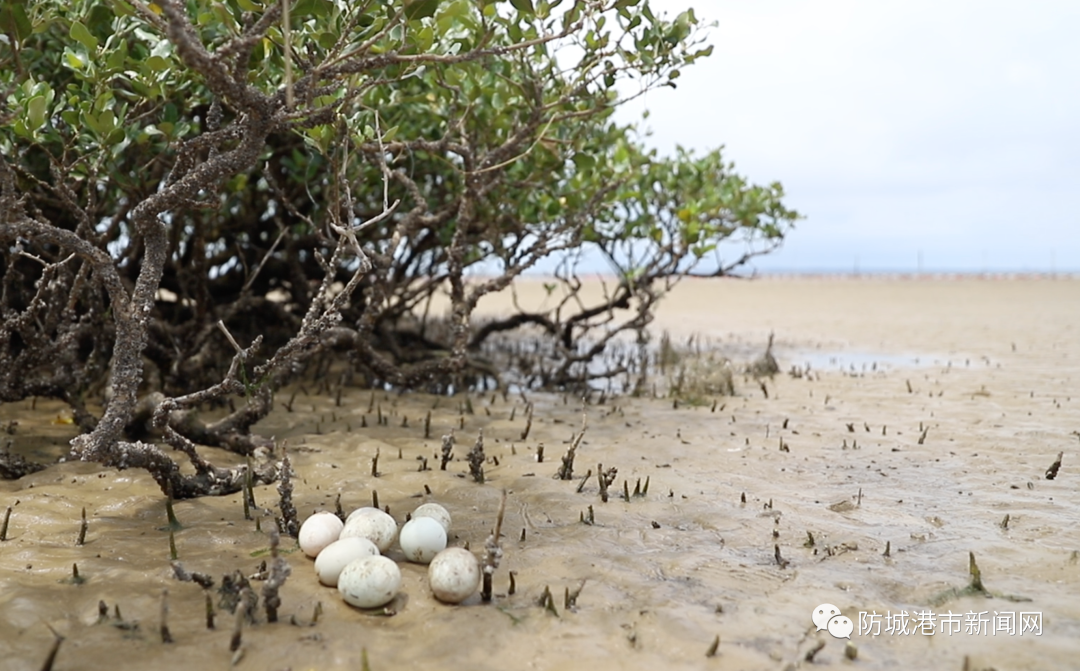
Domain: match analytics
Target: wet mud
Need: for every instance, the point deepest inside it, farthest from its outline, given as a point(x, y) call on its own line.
point(925, 426)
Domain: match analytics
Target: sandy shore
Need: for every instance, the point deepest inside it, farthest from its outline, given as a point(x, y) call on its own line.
point(942, 401)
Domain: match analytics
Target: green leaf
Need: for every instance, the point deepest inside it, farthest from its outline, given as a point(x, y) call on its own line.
point(118, 146)
point(14, 21)
point(584, 162)
point(116, 136)
point(82, 34)
point(425, 38)
point(100, 20)
point(35, 110)
point(118, 57)
point(571, 15)
point(156, 64)
point(106, 121)
point(523, 6)
point(701, 250)
point(327, 39)
point(420, 9)
point(318, 8)
point(121, 8)
point(74, 60)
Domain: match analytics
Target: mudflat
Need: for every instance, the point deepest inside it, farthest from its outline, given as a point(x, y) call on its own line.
point(903, 446)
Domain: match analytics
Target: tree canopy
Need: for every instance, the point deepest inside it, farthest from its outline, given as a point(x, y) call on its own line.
point(198, 199)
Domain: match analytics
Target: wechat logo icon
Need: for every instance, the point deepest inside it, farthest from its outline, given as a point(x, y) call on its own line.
point(827, 616)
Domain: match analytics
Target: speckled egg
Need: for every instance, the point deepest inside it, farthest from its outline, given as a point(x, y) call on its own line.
point(372, 524)
point(339, 554)
point(369, 582)
point(435, 512)
point(318, 531)
point(454, 574)
point(422, 538)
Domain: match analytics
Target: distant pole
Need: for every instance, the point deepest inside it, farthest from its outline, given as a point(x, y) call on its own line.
point(919, 262)
point(856, 270)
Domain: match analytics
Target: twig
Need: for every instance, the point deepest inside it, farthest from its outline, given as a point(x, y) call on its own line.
point(711, 652)
point(209, 611)
point(476, 458)
point(605, 478)
point(287, 30)
point(81, 540)
point(166, 636)
point(570, 598)
point(547, 601)
point(290, 525)
point(581, 485)
point(248, 494)
point(174, 524)
point(181, 574)
point(229, 336)
point(51, 658)
point(566, 471)
point(780, 561)
point(493, 551)
point(1052, 472)
point(238, 624)
point(447, 450)
point(976, 574)
point(279, 572)
point(266, 257)
point(528, 421)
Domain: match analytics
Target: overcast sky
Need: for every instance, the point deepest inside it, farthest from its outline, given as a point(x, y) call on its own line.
point(898, 128)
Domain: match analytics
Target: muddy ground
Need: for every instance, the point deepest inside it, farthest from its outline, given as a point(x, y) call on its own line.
point(942, 401)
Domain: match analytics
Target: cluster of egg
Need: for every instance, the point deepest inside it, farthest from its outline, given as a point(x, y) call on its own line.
point(348, 555)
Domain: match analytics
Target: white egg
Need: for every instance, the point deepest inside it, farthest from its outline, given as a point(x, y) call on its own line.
point(369, 582)
point(454, 574)
point(422, 538)
point(318, 531)
point(358, 512)
point(436, 512)
point(372, 524)
point(336, 556)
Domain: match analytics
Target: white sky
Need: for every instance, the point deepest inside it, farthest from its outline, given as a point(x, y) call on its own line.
point(947, 128)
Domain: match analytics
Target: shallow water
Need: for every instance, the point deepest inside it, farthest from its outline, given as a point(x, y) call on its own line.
point(664, 573)
point(854, 361)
